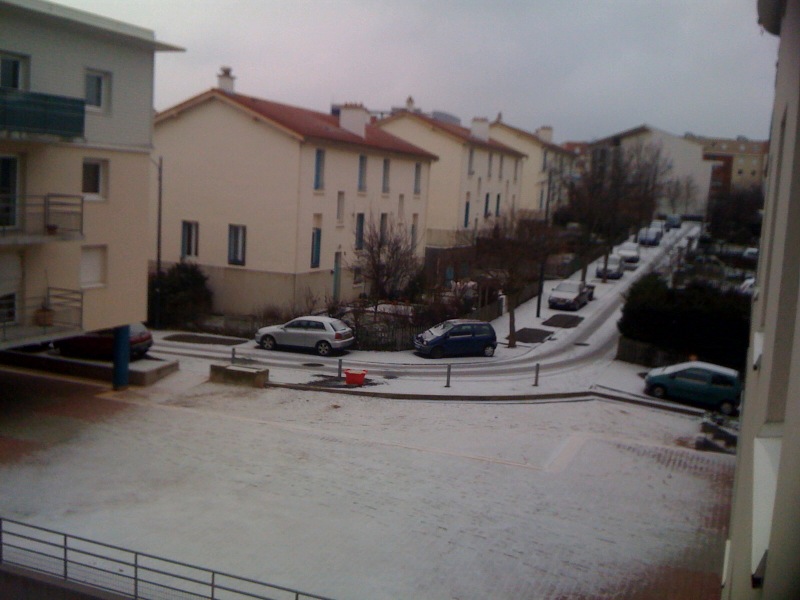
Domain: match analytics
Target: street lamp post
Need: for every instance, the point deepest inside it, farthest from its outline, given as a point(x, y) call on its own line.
point(544, 256)
point(157, 286)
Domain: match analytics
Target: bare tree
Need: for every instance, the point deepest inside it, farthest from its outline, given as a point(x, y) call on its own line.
point(689, 192)
point(510, 250)
point(645, 169)
point(617, 192)
point(673, 192)
point(387, 258)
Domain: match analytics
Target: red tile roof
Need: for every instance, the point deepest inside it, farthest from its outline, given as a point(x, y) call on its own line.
point(307, 124)
point(457, 131)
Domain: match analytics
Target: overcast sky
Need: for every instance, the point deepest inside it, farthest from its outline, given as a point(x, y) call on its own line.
point(589, 68)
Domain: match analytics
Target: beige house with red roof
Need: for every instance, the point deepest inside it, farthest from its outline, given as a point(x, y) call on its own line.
point(272, 200)
point(545, 170)
point(476, 179)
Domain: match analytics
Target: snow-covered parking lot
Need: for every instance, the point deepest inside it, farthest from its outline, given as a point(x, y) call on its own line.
point(372, 498)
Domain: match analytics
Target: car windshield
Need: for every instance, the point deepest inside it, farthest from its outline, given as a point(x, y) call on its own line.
point(568, 286)
point(338, 325)
point(440, 329)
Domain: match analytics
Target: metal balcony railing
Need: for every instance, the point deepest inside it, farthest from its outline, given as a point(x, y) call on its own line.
point(38, 318)
point(28, 219)
point(33, 113)
point(125, 572)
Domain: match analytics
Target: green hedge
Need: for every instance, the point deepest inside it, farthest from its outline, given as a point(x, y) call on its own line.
point(698, 321)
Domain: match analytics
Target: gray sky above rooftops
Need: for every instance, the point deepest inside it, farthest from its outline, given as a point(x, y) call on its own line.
point(589, 68)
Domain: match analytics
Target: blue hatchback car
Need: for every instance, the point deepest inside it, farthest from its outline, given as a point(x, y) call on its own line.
point(456, 337)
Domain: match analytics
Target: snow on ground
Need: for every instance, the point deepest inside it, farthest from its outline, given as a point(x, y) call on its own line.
point(355, 497)
point(375, 498)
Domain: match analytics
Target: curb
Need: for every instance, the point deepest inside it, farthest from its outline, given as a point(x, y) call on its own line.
point(584, 396)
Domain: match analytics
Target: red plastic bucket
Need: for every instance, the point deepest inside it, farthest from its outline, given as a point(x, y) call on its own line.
point(352, 377)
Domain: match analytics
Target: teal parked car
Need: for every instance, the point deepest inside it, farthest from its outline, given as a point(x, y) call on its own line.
point(700, 383)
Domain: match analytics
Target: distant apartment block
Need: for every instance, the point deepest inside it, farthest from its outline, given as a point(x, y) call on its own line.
point(684, 157)
point(272, 201)
point(739, 164)
point(76, 105)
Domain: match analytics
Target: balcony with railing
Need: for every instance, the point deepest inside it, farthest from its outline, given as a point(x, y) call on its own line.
point(58, 313)
point(27, 115)
point(40, 219)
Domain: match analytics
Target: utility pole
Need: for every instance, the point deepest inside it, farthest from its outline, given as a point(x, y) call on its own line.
point(544, 256)
point(158, 281)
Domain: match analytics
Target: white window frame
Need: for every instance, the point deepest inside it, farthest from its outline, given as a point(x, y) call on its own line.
point(190, 239)
point(237, 245)
point(94, 266)
point(22, 71)
point(102, 180)
point(104, 79)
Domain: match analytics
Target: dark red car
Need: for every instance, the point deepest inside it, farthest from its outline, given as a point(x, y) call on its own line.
point(100, 344)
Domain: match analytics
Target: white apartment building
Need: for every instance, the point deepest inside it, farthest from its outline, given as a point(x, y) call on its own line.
point(476, 179)
point(76, 99)
point(763, 558)
point(546, 168)
point(684, 156)
point(272, 201)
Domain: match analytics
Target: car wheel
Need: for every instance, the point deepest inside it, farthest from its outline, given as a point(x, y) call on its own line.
point(659, 391)
point(488, 350)
point(323, 348)
point(437, 352)
point(726, 408)
point(268, 343)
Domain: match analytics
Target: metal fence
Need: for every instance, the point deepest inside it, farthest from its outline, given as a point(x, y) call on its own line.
point(50, 214)
point(118, 570)
point(58, 312)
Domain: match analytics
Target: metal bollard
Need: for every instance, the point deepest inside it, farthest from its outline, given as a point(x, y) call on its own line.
point(536, 380)
point(233, 356)
point(448, 375)
point(339, 372)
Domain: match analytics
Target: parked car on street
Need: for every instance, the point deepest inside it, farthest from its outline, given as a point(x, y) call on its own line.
point(456, 337)
point(748, 286)
point(322, 334)
point(650, 236)
point(571, 295)
point(673, 222)
point(701, 383)
point(750, 254)
point(629, 252)
point(611, 270)
point(100, 344)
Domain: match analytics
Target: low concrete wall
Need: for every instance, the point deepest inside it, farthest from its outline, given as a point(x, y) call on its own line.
point(239, 375)
point(143, 372)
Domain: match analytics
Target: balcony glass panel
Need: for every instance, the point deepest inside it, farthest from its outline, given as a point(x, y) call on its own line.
point(45, 114)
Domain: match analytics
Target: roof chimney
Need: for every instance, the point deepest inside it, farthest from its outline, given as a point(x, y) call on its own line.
point(410, 104)
point(545, 133)
point(480, 128)
point(354, 118)
point(225, 80)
